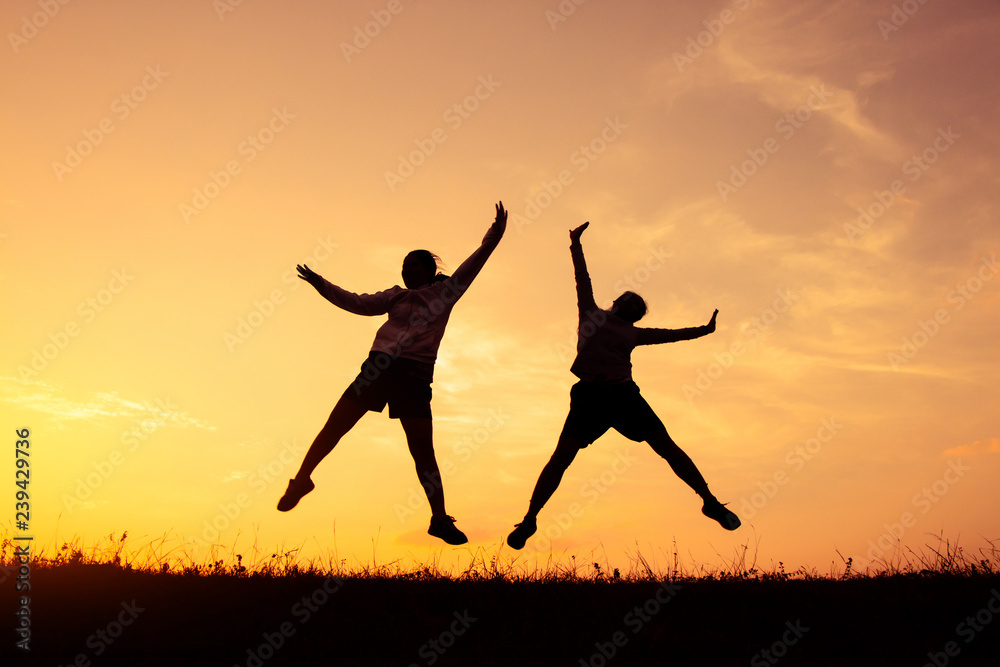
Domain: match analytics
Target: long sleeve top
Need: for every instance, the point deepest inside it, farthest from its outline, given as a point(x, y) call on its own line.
point(417, 317)
point(604, 340)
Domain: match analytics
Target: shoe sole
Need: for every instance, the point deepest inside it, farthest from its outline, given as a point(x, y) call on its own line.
point(522, 542)
point(282, 507)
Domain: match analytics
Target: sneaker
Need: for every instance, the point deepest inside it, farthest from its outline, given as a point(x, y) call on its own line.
point(444, 528)
point(521, 533)
point(716, 510)
point(294, 493)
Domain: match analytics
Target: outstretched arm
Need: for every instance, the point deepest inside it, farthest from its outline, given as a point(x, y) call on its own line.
point(360, 304)
point(584, 289)
point(656, 336)
point(470, 268)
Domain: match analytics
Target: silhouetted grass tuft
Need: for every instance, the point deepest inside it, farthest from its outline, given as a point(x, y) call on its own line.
point(168, 555)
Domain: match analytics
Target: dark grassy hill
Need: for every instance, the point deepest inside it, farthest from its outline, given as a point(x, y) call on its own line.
point(103, 614)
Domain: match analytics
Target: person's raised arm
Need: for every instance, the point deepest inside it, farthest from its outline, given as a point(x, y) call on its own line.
point(359, 304)
point(656, 336)
point(584, 289)
point(470, 268)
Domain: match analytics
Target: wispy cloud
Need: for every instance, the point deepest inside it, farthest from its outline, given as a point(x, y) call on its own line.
point(102, 406)
point(977, 448)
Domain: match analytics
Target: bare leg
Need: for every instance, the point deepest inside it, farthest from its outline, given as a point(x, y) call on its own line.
point(420, 439)
point(552, 473)
point(681, 463)
point(345, 415)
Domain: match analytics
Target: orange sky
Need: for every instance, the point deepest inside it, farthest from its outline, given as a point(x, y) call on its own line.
point(166, 165)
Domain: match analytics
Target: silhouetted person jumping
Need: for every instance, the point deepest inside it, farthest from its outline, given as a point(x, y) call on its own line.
point(606, 397)
point(400, 366)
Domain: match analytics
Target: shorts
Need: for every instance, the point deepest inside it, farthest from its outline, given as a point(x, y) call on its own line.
point(403, 384)
point(595, 407)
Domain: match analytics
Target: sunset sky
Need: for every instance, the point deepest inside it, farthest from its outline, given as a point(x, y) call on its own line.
point(823, 173)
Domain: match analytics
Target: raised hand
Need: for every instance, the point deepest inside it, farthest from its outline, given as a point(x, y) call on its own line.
point(711, 322)
point(309, 275)
point(575, 234)
point(500, 224)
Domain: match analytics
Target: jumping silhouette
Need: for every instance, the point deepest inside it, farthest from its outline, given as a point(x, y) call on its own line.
point(606, 397)
point(400, 367)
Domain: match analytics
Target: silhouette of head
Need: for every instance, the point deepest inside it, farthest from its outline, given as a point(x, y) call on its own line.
point(630, 307)
point(419, 268)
